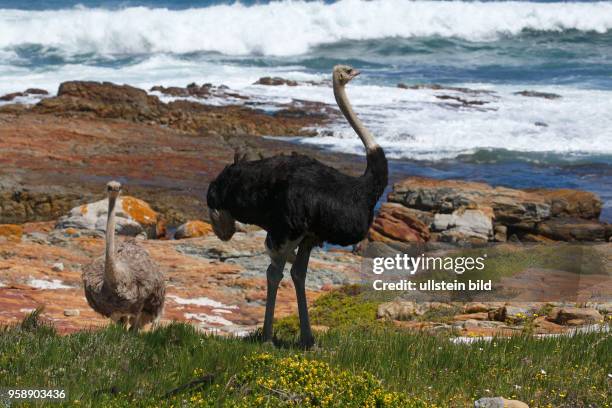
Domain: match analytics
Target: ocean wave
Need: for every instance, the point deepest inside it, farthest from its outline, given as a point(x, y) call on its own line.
point(288, 27)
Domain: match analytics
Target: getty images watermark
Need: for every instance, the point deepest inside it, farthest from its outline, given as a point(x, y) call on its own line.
point(399, 265)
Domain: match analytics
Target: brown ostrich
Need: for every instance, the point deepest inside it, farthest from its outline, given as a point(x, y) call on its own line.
point(125, 284)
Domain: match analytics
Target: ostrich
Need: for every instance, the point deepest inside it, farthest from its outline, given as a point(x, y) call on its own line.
point(125, 284)
point(301, 203)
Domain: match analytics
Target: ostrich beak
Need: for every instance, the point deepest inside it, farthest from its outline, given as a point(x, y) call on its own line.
point(354, 73)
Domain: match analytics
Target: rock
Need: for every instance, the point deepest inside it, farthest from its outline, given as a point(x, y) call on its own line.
point(476, 307)
point(192, 229)
point(464, 225)
point(471, 316)
point(602, 307)
point(501, 233)
point(30, 91)
point(544, 326)
point(574, 316)
point(36, 91)
point(197, 91)
point(19, 205)
point(536, 94)
point(397, 310)
point(535, 238)
point(462, 102)
point(133, 217)
point(57, 267)
point(438, 87)
point(571, 203)
point(514, 313)
point(275, 81)
point(11, 232)
point(535, 215)
point(398, 223)
point(72, 312)
point(10, 96)
point(499, 402)
point(108, 100)
point(509, 206)
point(572, 229)
point(105, 100)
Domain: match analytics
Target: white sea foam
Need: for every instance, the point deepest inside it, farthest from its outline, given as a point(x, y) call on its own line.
point(287, 27)
point(407, 123)
point(415, 124)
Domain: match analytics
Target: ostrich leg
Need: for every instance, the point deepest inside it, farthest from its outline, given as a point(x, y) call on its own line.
point(298, 275)
point(274, 275)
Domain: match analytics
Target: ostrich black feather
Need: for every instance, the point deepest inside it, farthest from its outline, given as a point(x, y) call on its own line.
point(294, 196)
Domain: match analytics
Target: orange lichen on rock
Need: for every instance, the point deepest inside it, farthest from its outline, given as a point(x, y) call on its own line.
point(193, 229)
point(84, 209)
point(11, 232)
point(140, 211)
point(143, 214)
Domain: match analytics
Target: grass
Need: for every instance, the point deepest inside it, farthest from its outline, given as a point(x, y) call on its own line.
point(353, 366)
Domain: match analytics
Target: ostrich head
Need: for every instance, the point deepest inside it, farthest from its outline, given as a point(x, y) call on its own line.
point(344, 73)
point(224, 225)
point(113, 188)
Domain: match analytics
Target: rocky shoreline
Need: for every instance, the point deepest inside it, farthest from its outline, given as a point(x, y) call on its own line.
point(59, 153)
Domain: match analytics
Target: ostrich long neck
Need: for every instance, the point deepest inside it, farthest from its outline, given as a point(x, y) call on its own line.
point(377, 171)
point(346, 108)
point(110, 270)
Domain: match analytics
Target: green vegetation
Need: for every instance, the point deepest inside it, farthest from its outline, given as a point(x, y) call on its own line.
point(369, 365)
point(350, 306)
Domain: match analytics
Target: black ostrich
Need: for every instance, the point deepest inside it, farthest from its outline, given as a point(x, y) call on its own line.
point(301, 203)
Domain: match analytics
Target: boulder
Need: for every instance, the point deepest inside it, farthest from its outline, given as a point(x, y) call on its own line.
point(464, 225)
point(574, 316)
point(572, 229)
point(36, 91)
point(11, 232)
point(10, 96)
point(30, 91)
point(537, 94)
point(19, 205)
point(275, 81)
point(133, 217)
point(501, 233)
point(103, 99)
point(571, 203)
point(475, 307)
point(192, 229)
point(397, 310)
point(395, 222)
point(514, 312)
point(509, 206)
point(471, 211)
point(544, 326)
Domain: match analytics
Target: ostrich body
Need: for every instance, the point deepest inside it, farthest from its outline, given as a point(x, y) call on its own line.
point(125, 284)
point(301, 203)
